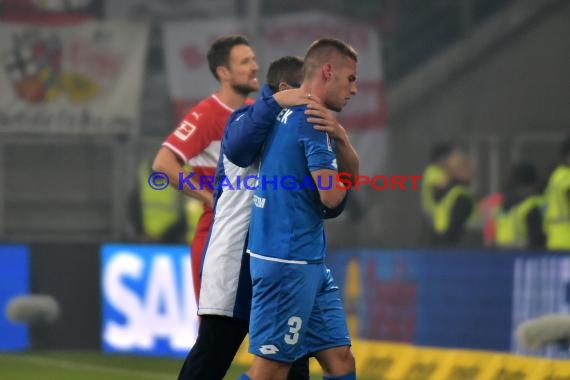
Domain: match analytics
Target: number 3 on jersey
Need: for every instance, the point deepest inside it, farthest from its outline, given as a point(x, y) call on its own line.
point(292, 336)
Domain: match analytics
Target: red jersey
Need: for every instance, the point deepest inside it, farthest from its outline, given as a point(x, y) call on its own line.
point(196, 140)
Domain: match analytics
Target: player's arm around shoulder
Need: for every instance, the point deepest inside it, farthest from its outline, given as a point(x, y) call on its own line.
point(249, 126)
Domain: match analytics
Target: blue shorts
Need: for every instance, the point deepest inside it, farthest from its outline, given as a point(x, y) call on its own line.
point(296, 310)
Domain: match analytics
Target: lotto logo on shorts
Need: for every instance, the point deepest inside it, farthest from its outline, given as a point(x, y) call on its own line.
point(268, 349)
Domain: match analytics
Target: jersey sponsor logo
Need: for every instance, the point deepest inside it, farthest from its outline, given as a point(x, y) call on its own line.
point(259, 201)
point(184, 130)
point(196, 115)
point(268, 349)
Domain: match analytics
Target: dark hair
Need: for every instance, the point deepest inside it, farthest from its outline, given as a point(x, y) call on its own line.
point(524, 173)
point(323, 50)
point(440, 151)
point(286, 69)
point(219, 52)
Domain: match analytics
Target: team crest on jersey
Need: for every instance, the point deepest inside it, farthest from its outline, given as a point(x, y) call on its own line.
point(184, 130)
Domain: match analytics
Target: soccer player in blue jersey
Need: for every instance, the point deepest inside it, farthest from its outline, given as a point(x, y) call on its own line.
point(225, 296)
point(225, 293)
point(296, 306)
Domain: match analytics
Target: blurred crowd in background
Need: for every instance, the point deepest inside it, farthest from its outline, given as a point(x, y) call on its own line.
point(530, 211)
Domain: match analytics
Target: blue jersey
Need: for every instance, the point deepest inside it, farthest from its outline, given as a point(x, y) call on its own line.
point(287, 216)
point(250, 126)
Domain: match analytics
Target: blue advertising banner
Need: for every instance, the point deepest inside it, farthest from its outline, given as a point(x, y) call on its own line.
point(148, 304)
point(14, 281)
point(541, 287)
point(453, 299)
point(456, 299)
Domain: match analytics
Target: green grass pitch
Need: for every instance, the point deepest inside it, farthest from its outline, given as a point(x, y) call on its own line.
point(93, 365)
point(79, 365)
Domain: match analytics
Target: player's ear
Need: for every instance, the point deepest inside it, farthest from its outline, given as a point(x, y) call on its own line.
point(223, 72)
point(327, 71)
point(283, 86)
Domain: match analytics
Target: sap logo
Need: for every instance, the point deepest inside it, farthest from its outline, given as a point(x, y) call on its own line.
point(148, 298)
point(268, 349)
point(284, 115)
point(259, 201)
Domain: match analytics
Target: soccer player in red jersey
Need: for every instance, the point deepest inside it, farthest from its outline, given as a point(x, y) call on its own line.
point(196, 140)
